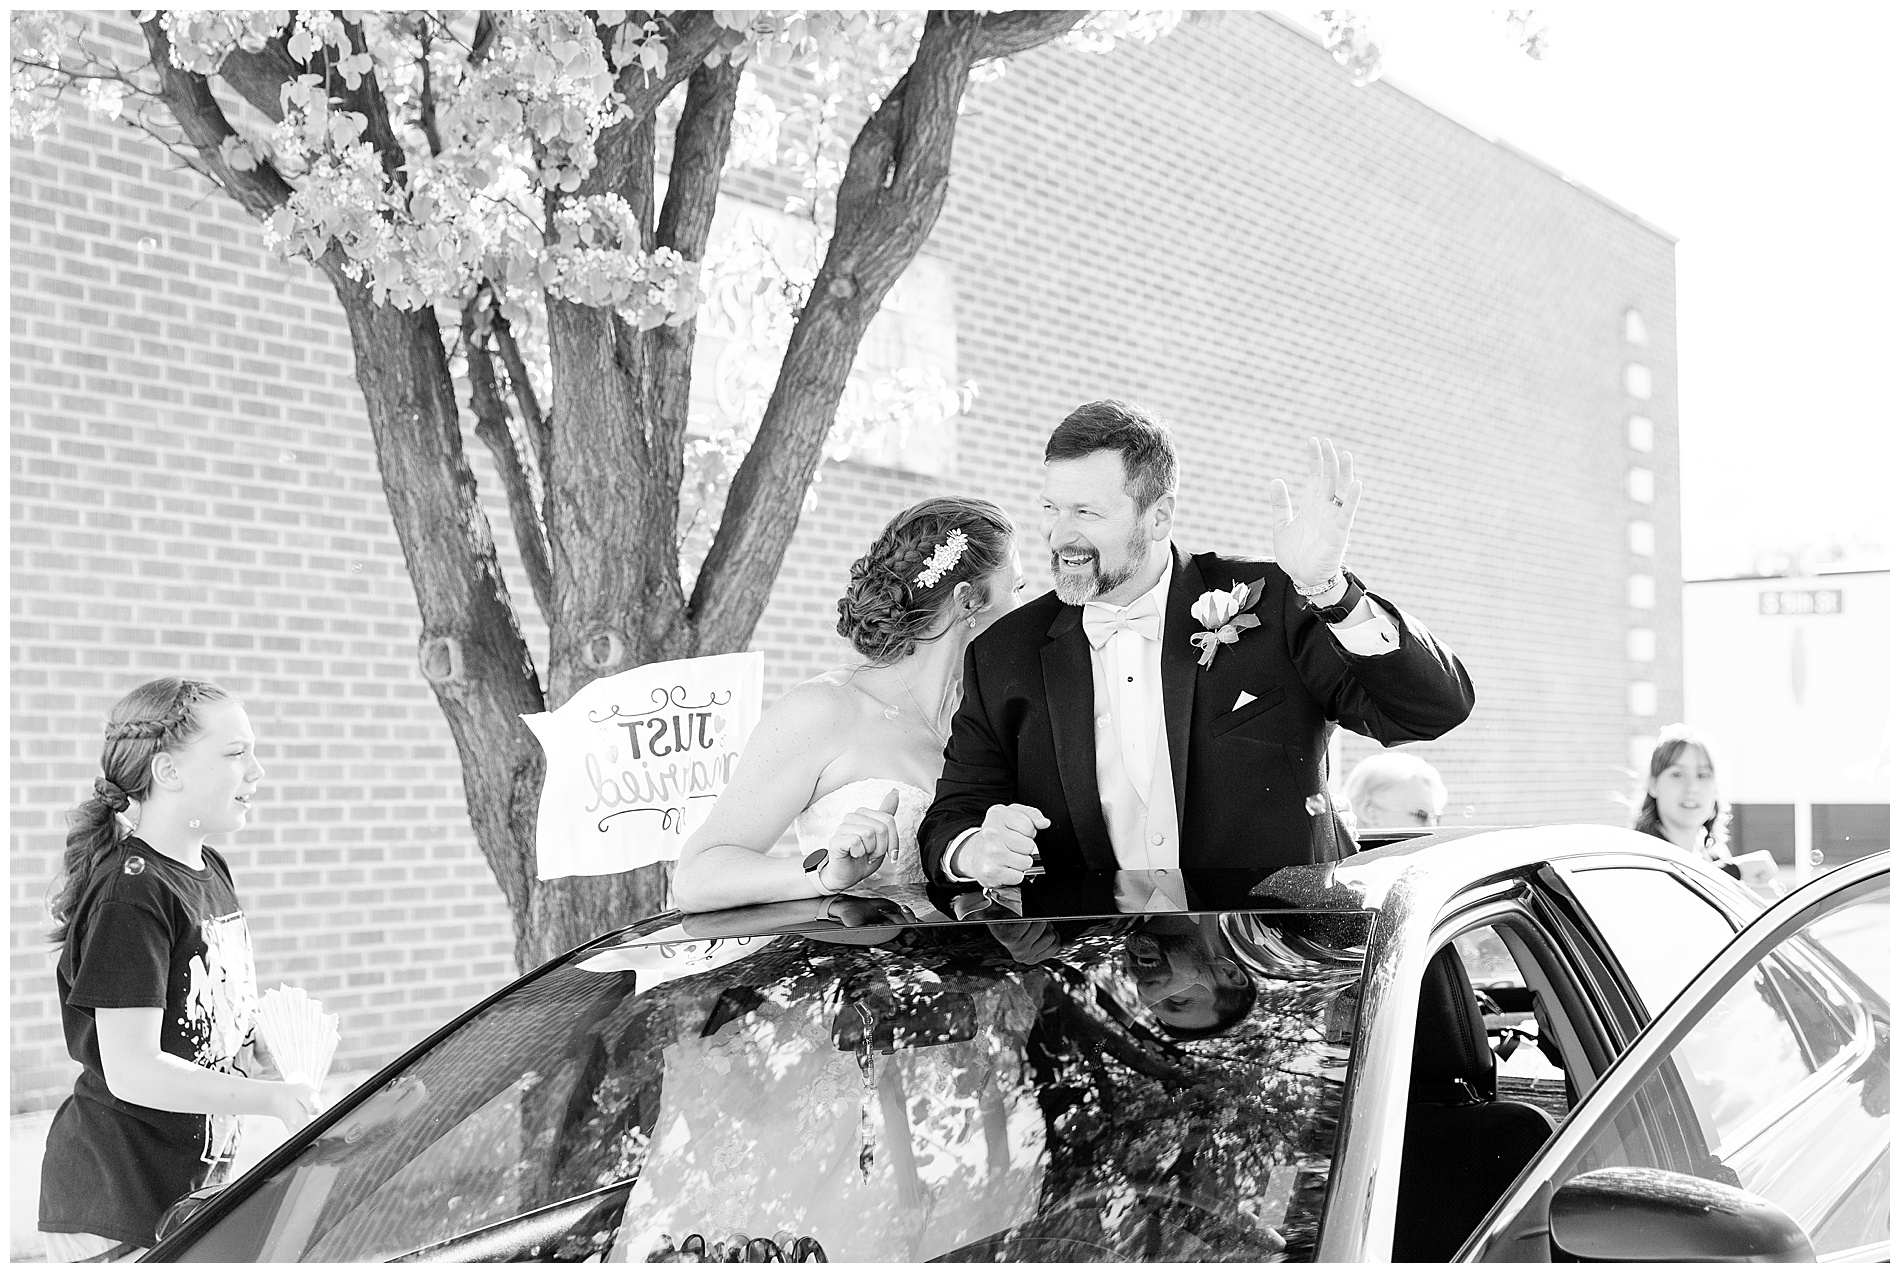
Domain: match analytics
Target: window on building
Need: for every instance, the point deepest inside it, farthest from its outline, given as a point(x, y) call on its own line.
point(1642, 433)
point(1643, 538)
point(1642, 645)
point(1642, 698)
point(1642, 592)
point(1840, 832)
point(1636, 381)
point(900, 404)
point(1843, 832)
point(1643, 485)
point(1641, 746)
point(1634, 331)
point(1763, 827)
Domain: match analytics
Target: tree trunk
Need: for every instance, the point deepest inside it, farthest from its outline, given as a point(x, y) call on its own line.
point(471, 649)
point(612, 462)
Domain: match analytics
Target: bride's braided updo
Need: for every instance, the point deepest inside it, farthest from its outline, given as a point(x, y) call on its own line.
point(887, 611)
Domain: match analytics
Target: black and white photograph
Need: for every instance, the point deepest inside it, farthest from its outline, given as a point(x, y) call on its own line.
point(880, 636)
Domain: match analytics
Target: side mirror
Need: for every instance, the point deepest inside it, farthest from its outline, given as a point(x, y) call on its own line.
point(1623, 1214)
point(184, 1209)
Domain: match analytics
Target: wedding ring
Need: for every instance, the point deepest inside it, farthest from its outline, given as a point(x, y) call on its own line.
point(1338, 502)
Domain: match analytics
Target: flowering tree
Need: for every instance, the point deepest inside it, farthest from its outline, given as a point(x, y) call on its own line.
point(526, 198)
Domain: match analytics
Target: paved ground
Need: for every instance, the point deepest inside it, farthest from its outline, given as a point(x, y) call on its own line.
point(27, 1145)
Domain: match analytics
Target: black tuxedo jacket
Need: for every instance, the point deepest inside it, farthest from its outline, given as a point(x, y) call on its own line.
point(1249, 783)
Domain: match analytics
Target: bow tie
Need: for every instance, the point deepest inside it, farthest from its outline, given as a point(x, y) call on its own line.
point(1102, 621)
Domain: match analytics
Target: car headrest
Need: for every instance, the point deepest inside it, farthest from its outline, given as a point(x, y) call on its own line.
point(1451, 1057)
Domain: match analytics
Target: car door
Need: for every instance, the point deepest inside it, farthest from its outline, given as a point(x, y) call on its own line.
point(1762, 1091)
point(1660, 922)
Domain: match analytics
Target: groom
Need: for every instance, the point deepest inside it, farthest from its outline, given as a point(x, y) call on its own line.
point(1159, 710)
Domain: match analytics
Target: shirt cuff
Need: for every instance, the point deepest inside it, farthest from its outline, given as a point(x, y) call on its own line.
point(1368, 630)
point(950, 854)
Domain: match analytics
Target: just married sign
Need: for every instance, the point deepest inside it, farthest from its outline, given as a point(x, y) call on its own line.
point(636, 760)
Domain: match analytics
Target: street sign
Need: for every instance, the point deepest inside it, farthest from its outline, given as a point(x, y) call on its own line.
point(1800, 601)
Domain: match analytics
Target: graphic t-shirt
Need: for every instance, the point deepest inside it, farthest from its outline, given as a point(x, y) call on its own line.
point(148, 932)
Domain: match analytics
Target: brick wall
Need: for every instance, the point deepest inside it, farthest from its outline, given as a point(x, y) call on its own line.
point(1218, 225)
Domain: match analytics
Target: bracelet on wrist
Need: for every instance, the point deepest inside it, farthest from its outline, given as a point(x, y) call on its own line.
point(1322, 588)
point(815, 863)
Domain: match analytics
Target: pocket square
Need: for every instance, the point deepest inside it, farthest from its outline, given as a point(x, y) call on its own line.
point(1244, 699)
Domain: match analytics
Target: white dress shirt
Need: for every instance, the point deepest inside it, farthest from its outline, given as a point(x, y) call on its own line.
point(1134, 771)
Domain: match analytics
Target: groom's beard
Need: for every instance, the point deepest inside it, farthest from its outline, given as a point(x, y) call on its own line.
point(1074, 587)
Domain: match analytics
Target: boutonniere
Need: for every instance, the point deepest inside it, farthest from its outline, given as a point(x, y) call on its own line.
point(1225, 615)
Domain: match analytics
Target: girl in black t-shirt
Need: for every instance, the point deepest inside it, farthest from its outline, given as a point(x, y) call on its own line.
point(156, 985)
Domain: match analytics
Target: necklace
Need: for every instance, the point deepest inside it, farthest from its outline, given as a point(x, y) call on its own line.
point(930, 722)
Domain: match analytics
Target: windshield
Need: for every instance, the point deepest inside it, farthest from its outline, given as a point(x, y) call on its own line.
point(1155, 1088)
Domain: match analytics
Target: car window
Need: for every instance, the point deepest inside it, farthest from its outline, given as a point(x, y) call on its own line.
point(1780, 1086)
point(1661, 931)
point(1015, 1090)
point(1514, 1020)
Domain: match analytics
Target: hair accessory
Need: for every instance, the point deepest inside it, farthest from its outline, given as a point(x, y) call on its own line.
point(194, 823)
point(108, 791)
point(943, 559)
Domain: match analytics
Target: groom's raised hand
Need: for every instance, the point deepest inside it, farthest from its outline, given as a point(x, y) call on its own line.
point(1003, 849)
point(1309, 539)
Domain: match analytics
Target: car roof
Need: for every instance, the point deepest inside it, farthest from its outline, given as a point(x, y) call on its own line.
point(1425, 867)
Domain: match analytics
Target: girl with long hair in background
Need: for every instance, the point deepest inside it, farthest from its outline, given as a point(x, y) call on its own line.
point(1680, 802)
point(157, 989)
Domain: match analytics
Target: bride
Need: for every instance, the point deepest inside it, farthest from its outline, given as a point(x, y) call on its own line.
point(851, 757)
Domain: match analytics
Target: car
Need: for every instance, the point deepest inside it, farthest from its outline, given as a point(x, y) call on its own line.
point(1344, 1061)
point(1750, 1121)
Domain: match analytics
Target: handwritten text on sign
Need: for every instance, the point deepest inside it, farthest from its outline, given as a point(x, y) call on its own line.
point(635, 761)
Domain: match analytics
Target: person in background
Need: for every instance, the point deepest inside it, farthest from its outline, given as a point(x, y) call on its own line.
point(1679, 801)
point(1395, 789)
point(157, 990)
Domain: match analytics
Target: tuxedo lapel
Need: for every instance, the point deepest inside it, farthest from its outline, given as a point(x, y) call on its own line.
point(1178, 666)
point(1069, 682)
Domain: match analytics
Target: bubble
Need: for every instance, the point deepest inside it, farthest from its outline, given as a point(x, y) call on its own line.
point(148, 244)
point(1470, 810)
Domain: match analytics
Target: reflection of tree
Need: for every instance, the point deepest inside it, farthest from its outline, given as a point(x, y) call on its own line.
point(1167, 1136)
point(556, 1090)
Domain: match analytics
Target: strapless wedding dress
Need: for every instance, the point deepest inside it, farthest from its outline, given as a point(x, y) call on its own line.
point(903, 870)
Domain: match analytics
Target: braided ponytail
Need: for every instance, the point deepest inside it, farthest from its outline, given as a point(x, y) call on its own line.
point(902, 588)
point(159, 715)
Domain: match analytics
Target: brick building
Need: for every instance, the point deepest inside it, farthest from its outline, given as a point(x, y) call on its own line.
point(1217, 225)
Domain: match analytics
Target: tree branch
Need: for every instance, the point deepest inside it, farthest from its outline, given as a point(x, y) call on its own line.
point(491, 426)
point(892, 190)
point(187, 95)
point(430, 129)
point(259, 77)
point(700, 144)
point(694, 35)
point(368, 98)
point(486, 29)
point(532, 416)
point(1018, 31)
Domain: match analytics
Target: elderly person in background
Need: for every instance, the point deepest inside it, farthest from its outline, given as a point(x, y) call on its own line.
point(1395, 789)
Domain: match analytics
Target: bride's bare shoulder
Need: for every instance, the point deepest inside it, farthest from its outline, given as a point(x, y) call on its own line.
point(828, 699)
